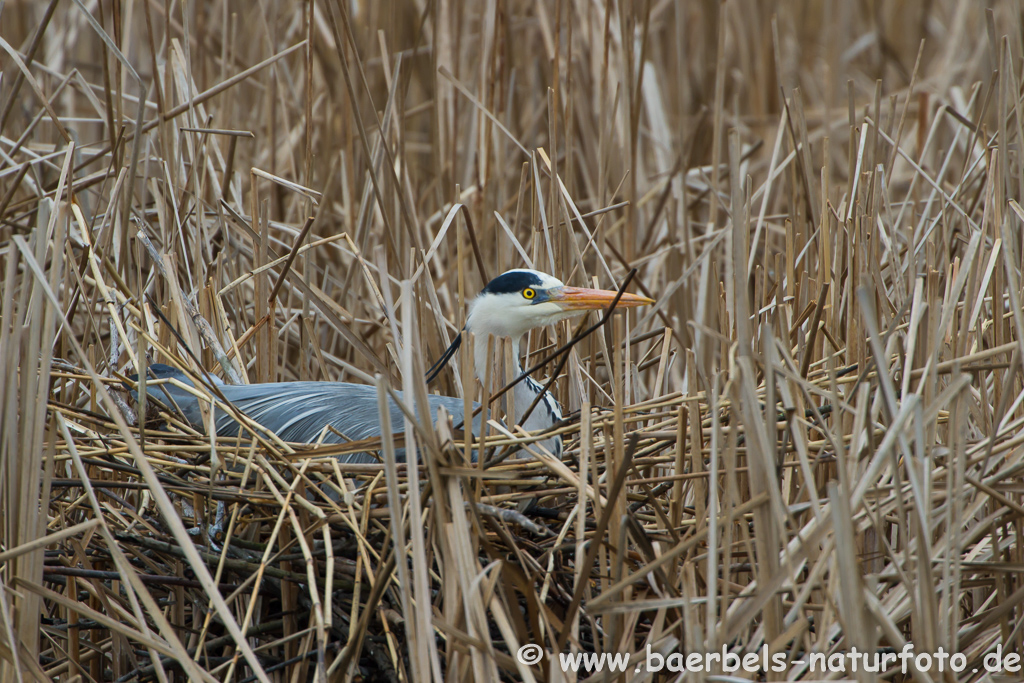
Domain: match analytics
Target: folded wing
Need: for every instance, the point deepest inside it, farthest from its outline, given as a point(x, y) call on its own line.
point(299, 412)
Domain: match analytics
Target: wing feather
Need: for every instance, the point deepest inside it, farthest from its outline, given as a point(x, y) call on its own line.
point(298, 412)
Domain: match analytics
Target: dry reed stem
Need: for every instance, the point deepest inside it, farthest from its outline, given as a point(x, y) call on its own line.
point(812, 442)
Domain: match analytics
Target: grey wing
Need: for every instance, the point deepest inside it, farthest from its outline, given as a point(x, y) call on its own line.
point(299, 412)
point(174, 398)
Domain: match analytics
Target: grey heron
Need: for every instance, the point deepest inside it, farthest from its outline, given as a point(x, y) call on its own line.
point(511, 304)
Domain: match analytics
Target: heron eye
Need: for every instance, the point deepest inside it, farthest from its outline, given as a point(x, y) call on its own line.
point(529, 293)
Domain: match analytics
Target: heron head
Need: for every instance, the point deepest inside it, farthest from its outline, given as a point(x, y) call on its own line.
point(519, 300)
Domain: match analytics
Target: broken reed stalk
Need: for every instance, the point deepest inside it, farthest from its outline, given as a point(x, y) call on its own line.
point(811, 443)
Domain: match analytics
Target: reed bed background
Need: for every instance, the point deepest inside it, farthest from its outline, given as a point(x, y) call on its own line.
point(812, 443)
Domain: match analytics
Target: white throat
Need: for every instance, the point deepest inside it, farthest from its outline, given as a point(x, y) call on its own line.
point(544, 415)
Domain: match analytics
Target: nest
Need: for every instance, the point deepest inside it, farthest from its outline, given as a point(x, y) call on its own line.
point(810, 447)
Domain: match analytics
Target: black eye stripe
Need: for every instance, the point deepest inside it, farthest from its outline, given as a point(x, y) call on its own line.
point(513, 282)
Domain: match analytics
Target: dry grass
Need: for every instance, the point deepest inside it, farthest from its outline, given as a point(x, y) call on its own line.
point(812, 443)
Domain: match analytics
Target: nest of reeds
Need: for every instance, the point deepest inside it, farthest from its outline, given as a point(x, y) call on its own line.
point(809, 447)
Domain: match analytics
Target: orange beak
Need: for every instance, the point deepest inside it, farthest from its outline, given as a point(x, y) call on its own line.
point(579, 298)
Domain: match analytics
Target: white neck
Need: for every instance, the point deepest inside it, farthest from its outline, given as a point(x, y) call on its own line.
point(547, 411)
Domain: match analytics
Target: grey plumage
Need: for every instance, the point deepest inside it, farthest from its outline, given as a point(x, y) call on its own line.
point(298, 411)
point(509, 306)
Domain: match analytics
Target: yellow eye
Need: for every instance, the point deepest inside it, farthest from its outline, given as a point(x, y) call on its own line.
point(529, 293)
